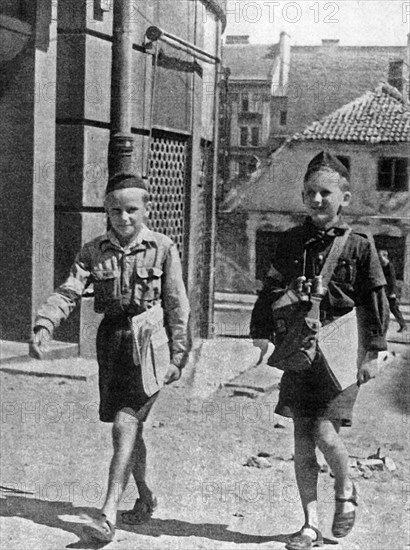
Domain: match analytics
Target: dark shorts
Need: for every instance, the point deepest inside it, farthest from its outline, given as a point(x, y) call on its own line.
point(119, 379)
point(313, 395)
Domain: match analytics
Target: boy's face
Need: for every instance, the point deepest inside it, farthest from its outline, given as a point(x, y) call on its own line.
point(324, 198)
point(127, 209)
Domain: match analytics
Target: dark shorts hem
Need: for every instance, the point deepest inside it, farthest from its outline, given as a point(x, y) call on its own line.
point(344, 417)
point(313, 395)
point(140, 412)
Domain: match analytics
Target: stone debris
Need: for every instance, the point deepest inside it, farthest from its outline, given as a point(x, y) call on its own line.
point(371, 463)
point(157, 424)
point(258, 462)
point(389, 464)
point(365, 467)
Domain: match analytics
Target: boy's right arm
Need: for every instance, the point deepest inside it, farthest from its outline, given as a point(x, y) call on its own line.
point(60, 304)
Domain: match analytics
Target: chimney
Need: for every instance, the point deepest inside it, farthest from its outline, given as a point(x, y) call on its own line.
point(235, 39)
point(396, 74)
point(399, 74)
point(330, 43)
point(284, 58)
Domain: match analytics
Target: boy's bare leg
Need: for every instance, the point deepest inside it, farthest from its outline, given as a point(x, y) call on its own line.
point(124, 434)
point(139, 464)
point(306, 469)
point(336, 455)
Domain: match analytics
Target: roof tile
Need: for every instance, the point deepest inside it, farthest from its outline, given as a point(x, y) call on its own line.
point(379, 116)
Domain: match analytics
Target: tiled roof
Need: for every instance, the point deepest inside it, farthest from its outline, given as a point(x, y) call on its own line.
point(379, 116)
point(248, 61)
point(323, 79)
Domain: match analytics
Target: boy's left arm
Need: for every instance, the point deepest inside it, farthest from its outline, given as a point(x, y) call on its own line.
point(176, 312)
point(373, 322)
point(373, 314)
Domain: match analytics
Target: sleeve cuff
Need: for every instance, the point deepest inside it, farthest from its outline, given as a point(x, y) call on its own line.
point(45, 323)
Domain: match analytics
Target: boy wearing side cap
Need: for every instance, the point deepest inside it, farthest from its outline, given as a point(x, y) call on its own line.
point(317, 407)
point(133, 270)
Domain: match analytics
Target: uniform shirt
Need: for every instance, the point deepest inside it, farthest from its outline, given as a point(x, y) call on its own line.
point(357, 281)
point(127, 281)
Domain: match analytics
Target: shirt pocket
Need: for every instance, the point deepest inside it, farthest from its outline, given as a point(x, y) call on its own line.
point(106, 288)
point(147, 287)
point(345, 271)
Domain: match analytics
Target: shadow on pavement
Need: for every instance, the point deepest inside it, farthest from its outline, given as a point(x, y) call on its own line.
point(214, 531)
point(49, 514)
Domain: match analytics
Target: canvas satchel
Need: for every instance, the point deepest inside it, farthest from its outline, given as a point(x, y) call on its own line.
point(151, 348)
point(296, 322)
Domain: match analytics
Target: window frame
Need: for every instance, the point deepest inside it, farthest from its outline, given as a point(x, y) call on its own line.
point(255, 131)
point(393, 174)
point(283, 118)
point(245, 100)
point(244, 132)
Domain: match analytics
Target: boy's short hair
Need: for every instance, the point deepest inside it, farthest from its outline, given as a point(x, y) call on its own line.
point(124, 180)
point(326, 162)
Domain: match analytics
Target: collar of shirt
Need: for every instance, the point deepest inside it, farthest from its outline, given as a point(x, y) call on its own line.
point(144, 236)
point(314, 234)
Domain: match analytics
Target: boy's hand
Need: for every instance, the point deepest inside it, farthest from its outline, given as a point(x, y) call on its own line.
point(172, 374)
point(38, 343)
point(369, 368)
point(261, 343)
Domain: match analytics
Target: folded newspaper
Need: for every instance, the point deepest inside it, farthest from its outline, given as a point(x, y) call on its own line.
point(339, 344)
point(150, 348)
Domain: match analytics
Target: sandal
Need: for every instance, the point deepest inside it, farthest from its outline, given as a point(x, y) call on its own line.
point(343, 522)
point(101, 530)
point(141, 513)
point(299, 541)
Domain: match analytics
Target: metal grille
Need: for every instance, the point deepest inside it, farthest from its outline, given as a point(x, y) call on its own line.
point(167, 187)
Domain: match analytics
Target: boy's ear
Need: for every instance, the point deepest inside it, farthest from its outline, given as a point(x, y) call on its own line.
point(148, 207)
point(346, 198)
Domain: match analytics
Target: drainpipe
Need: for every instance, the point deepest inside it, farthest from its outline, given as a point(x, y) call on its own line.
point(121, 146)
point(215, 181)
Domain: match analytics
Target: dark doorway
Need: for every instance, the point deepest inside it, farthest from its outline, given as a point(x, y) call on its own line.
point(266, 242)
point(395, 246)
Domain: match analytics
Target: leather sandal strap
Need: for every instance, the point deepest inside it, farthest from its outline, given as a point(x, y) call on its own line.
point(315, 529)
point(351, 499)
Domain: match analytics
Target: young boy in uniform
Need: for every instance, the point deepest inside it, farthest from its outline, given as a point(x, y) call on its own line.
point(133, 269)
point(319, 409)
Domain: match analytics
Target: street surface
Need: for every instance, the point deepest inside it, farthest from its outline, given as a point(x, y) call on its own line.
point(55, 457)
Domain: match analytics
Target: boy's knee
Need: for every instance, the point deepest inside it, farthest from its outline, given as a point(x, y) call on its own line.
point(327, 441)
point(126, 423)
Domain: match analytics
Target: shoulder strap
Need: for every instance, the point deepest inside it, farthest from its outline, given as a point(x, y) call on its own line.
point(333, 257)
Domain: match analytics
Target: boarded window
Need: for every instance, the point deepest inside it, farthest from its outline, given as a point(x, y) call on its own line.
point(393, 174)
point(283, 118)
